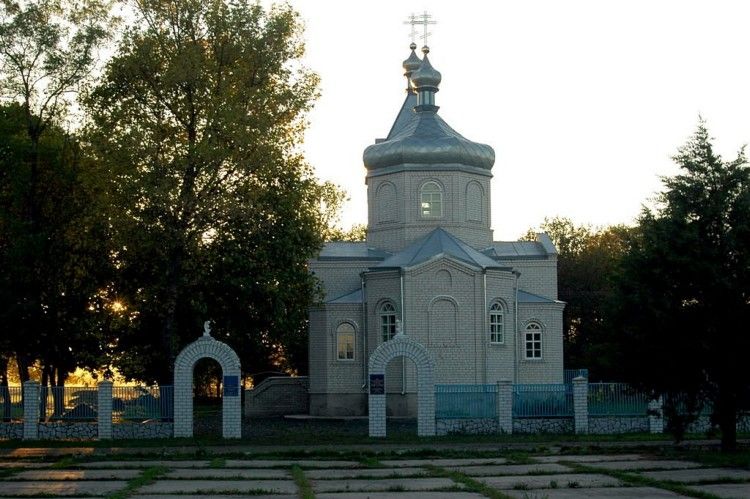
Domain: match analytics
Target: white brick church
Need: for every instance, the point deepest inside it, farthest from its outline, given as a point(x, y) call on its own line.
point(485, 310)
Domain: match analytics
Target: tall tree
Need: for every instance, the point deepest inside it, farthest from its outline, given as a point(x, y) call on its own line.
point(685, 287)
point(588, 261)
point(197, 121)
point(47, 51)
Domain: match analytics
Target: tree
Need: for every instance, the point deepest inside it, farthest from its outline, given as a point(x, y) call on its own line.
point(357, 232)
point(197, 122)
point(684, 290)
point(588, 260)
point(47, 51)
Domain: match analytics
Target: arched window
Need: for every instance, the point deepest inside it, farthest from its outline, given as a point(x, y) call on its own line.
point(533, 341)
point(345, 341)
point(474, 202)
point(497, 324)
point(431, 199)
point(387, 321)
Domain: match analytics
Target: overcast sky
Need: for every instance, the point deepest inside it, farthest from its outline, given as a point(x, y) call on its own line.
point(584, 102)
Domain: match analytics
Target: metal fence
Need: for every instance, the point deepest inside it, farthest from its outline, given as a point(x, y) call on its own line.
point(11, 403)
point(465, 401)
point(616, 399)
point(68, 403)
point(141, 403)
point(542, 400)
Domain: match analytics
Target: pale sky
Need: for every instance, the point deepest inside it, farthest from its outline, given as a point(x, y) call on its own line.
point(584, 102)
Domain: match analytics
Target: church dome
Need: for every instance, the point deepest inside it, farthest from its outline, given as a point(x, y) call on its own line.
point(426, 75)
point(425, 139)
point(413, 62)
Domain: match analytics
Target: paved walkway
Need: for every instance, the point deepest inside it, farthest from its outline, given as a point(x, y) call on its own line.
point(620, 476)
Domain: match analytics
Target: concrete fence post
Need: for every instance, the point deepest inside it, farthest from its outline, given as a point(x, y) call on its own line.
point(581, 404)
point(30, 410)
point(656, 416)
point(104, 410)
point(505, 406)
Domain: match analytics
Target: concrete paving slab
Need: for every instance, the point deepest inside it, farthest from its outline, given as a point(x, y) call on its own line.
point(219, 486)
point(646, 465)
point(383, 485)
point(573, 480)
point(404, 495)
point(286, 463)
point(144, 464)
point(726, 490)
point(512, 469)
point(22, 464)
point(329, 474)
point(591, 458)
point(50, 488)
point(699, 475)
point(76, 474)
point(444, 462)
point(241, 474)
point(603, 492)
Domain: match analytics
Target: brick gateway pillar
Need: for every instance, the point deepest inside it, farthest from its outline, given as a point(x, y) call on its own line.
point(207, 346)
point(402, 346)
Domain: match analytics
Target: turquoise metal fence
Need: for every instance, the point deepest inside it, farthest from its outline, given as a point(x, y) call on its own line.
point(68, 403)
point(548, 400)
point(465, 401)
point(616, 399)
point(570, 374)
point(141, 403)
point(11, 403)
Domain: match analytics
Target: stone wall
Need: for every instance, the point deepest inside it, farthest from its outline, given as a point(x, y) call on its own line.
point(67, 431)
point(703, 424)
point(618, 424)
point(476, 426)
point(11, 431)
point(142, 430)
point(543, 425)
point(278, 396)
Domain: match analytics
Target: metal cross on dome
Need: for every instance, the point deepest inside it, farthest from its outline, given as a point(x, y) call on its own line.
point(424, 20)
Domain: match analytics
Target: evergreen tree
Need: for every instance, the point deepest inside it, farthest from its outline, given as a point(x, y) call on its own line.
point(684, 289)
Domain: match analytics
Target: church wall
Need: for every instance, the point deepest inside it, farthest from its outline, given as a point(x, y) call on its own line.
point(339, 391)
point(537, 276)
point(394, 235)
point(550, 368)
point(339, 277)
point(318, 357)
point(500, 358)
point(443, 315)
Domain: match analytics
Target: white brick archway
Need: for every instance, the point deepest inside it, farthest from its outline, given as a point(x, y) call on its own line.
point(399, 346)
point(206, 346)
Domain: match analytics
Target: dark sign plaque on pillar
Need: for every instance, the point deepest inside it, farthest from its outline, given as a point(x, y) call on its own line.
point(377, 384)
point(231, 386)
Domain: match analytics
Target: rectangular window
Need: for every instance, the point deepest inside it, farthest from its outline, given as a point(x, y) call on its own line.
point(496, 328)
point(346, 345)
point(388, 326)
point(534, 345)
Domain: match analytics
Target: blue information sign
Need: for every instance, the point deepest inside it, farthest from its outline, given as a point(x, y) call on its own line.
point(377, 384)
point(231, 386)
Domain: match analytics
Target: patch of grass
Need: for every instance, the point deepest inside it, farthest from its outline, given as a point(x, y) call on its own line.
point(369, 462)
point(470, 483)
point(553, 484)
point(63, 463)
point(519, 458)
point(304, 489)
point(634, 479)
point(711, 457)
point(573, 485)
point(217, 462)
point(520, 486)
point(148, 476)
